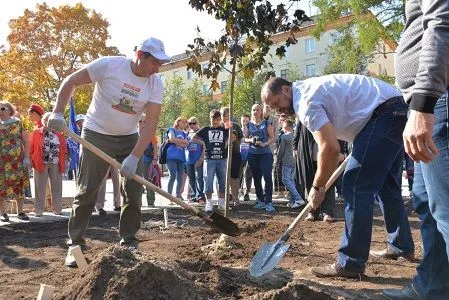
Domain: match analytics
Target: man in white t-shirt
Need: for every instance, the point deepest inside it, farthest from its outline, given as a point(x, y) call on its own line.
point(371, 114)
point(124, 90)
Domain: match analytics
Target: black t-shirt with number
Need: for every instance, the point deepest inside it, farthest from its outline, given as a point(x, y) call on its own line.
point(215, 140)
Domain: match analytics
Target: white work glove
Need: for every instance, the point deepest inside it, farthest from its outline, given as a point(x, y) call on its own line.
point(26, 163)
point(56, 121)
point(129, 166)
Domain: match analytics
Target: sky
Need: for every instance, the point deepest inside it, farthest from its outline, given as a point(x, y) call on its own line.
point(132, 21)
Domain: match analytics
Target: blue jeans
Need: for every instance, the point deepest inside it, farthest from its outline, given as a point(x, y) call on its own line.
point(212, 168)
point(431, 201)
point(176, 170)
point(262, 165)
point(373, 171)
point(196, 180)
point(288, 179)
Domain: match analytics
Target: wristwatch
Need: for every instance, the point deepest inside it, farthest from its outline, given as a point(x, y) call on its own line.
point(320, 189)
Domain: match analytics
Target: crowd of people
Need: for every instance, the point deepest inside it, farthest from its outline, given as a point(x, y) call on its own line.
point(320, 119)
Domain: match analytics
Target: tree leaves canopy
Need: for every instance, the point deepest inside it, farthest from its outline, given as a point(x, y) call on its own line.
point(46, 45)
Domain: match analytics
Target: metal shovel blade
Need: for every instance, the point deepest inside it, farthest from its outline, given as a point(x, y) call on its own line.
point(223, 224)
point(267, 258)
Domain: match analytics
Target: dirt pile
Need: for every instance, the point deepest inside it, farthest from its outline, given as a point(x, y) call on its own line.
point(118, 273)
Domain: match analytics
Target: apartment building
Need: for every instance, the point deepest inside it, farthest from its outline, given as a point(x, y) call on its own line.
point(307, 57)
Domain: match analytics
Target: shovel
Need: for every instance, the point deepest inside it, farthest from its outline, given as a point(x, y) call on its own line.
point(269, 255)
point(217, 221)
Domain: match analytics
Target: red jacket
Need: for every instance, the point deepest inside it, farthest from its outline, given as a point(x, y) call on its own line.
point(36, 149)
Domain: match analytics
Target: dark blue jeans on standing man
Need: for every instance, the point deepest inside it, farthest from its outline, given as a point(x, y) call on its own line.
point(431, 201)
point(374, 170)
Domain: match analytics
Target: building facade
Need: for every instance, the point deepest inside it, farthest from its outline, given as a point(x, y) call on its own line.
point(307, 57)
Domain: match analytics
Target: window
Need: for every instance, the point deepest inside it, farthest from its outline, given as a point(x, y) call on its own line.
point(189, 74)
point(223, 86)
point(284, 74)
point(310, 45)
point(310, 70)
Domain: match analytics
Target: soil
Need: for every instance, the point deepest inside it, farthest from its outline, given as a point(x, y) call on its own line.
point(177, 263)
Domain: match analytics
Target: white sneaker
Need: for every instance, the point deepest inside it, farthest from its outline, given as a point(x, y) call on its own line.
point(209, 206)
point(221, 204)
point(297, 204)
point(70, 260)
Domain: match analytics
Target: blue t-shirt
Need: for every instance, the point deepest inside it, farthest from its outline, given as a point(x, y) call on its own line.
point(148, 154)
point(244, 148)
point(260, 131)
point(173, 151)
point(193, 152)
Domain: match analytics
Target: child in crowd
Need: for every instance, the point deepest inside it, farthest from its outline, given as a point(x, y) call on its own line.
point(286, 159)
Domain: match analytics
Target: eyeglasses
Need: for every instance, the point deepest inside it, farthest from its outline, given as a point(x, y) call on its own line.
point(4, 108)
point(192, 123)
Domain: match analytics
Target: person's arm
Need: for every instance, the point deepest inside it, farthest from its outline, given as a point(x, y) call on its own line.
point(177, 141)
point(26, 143)
point(26, 149)
point(280, 151)
point(56, 119)
point(432, 79)
point(68, 86)
point(155, 153)
point(153, 112)
point(270, 131)
point(328, 154)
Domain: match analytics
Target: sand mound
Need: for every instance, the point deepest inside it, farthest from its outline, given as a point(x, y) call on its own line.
point(118, 273)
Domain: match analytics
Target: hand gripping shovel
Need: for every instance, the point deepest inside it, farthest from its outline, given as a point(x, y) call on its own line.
point(269, 255)
point(217, 221)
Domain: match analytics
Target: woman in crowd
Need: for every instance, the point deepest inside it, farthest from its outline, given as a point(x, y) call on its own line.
point(260, 136)
point(194, 165)
point(14, 159)
point(150, 161)
point(176, 156)
point(47, 150)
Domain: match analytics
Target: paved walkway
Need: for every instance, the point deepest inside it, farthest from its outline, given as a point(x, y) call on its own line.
point(68, 190)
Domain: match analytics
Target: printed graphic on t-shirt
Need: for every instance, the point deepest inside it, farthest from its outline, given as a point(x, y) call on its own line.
point(126, 104)
point(215, 136)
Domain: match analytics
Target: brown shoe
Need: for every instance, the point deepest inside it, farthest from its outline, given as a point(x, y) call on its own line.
point(334, 271)
point(389, 253)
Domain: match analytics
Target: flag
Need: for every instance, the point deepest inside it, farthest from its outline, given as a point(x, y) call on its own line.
point(72, 146)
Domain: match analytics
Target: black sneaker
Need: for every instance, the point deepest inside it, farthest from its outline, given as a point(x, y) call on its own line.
point(23, 216)
point(4, 218)
point(117, 208)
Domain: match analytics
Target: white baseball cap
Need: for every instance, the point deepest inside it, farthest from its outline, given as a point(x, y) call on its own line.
point(80, 117)
point(156, 48)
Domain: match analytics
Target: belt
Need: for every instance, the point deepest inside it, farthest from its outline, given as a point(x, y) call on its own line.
point(382, 107)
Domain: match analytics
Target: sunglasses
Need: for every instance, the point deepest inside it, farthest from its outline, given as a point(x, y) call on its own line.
point(141, 121)
point(192, 123)
point(4, 108)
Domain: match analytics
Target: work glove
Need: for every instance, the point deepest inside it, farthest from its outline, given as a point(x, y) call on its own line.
point(316, 198)
point(56, 121)
point(26, 163)
point(129, 166)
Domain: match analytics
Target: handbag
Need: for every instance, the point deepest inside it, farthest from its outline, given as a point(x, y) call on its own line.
point(163, 152)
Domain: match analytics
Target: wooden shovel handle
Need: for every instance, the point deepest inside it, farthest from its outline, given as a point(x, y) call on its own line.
point(302, 215)
point(136, 177)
